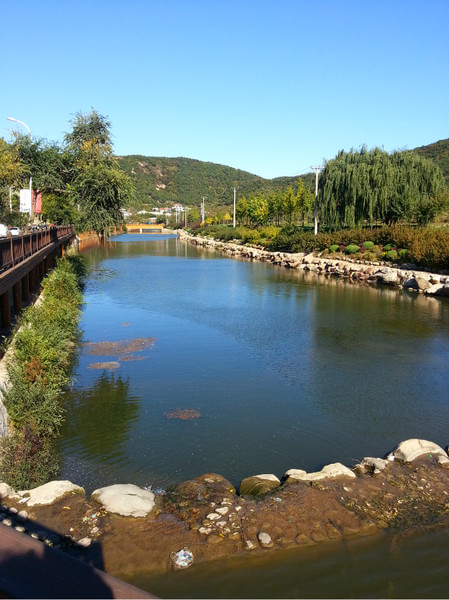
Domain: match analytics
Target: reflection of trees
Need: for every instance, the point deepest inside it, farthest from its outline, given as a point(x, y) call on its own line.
point(98, 419)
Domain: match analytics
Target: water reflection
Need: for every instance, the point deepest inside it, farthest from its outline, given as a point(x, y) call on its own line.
point(99, 419)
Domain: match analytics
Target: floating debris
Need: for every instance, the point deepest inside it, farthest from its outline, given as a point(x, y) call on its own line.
point(182, 559)
point(185, 414)
point(118, 348)
point(110, 366)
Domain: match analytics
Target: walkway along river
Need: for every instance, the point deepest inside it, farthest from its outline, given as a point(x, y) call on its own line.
point(251, 368)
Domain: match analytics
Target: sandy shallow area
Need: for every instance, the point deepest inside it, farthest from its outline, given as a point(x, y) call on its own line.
point(209, 519)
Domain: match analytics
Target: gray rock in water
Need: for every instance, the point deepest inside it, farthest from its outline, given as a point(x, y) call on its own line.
point(127, 500)
point(258, 484)
point(422, 283)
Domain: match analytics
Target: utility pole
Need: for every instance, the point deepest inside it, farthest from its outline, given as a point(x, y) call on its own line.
point(317, 170)
point(233, 218)
point(203, 212)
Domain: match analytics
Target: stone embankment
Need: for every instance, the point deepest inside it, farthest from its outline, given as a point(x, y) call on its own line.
point(126, 529)
point(407, 277)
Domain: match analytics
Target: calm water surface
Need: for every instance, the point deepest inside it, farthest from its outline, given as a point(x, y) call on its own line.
point(286, 370)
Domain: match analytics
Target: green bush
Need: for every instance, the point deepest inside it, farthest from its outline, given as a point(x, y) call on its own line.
point(250, 236)
point(368, 245)
point(352, 249)
point(391, 255)
point(387, 247)
point(333, 248)
point(269, 232)
point(403, 254)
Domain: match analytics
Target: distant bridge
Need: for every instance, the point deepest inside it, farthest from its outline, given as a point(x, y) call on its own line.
point(144, 227)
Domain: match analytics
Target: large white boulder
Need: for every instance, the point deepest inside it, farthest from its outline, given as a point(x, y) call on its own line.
point(50, 492)
point(127, 500)
point(409, 450)
point(329, 471)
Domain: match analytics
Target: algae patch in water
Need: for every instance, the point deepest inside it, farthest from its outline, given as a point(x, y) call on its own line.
point(119, 348)
point(186, 414)
point(110, 366)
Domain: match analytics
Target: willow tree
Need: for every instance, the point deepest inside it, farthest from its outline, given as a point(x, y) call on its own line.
point(100, 188)
point(361, 187)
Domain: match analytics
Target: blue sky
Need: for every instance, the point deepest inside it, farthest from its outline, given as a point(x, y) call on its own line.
point(271, 87)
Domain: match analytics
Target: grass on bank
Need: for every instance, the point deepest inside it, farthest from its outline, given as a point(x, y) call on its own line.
point(38, 368)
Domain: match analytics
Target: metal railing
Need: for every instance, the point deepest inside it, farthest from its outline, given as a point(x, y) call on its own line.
point(16, 249)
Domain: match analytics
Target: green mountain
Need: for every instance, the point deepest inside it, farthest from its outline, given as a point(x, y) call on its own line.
point(161, 181)
point(438, 152)
point(164, 181)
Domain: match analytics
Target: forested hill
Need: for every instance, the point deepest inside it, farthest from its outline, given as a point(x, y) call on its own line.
point(438, 152)
point(168, 180)
point(161, 181)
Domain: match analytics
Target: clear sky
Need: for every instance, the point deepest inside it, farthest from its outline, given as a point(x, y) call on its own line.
point(267, 86)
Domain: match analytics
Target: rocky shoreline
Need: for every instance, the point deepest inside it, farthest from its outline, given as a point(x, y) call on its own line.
point(407, 277)
point(127, 530)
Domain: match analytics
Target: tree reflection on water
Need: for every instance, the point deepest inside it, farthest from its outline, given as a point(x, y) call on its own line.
point(98, 419)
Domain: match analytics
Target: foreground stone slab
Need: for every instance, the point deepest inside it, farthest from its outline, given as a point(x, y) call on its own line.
point(127, 500)
point(50, 492)
point(329, 471)
point(410, 450)
point(258, 484)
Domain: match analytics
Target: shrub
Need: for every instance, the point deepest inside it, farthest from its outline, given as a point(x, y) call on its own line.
point(269, 232)
point(368, 245)
point(391, 255)
point(250, 236)
point(333, 248)
point(403, 254)
point(387, 247)
point(352, 249)
point(38, 370)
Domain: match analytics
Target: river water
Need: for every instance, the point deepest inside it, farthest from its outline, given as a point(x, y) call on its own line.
point(284, 370)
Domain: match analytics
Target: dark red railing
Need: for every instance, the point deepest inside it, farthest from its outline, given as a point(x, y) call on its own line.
point(15, 249)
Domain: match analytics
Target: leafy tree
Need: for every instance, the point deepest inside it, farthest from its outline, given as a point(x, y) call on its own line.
point(92, 127)
point(258, 210)
point(241, 210)
point(100, 188)
point(290, 203)
point(358, 188)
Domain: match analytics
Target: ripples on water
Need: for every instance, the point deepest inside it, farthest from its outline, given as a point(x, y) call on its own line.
point(286, 371)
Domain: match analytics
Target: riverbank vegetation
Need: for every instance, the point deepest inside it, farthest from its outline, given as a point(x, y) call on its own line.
point(426, 247)
point(38, 365)
point(80, 182)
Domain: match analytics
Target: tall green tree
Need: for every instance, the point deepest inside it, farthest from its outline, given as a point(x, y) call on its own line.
point(362, 187)
point(258, 210)
point(100, 188)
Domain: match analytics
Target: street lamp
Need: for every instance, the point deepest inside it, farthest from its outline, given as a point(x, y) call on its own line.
point(22, 123)
point(31, 140)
